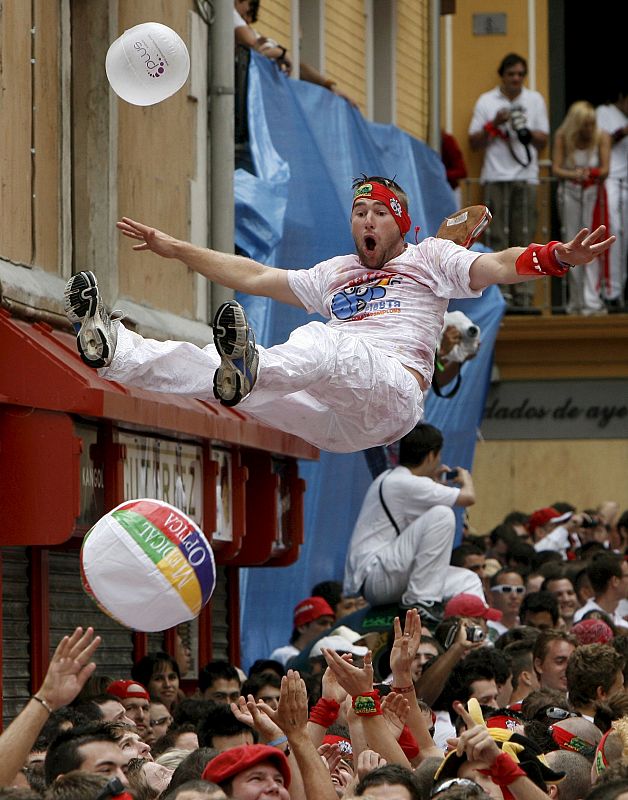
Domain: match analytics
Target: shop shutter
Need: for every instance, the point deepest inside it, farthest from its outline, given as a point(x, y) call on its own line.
point(70, 606)
point(15, 632)
point(220, 620)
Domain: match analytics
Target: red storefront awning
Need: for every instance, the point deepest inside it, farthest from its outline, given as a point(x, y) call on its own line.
point(49, 398)
point(40, 368)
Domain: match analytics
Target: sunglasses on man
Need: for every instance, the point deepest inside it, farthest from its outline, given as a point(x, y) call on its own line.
point(504, 588)
point(556, 713)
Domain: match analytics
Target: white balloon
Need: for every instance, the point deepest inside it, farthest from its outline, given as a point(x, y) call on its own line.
point(147, 64)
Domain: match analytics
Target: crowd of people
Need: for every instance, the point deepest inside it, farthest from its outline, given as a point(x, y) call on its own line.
point(512, 688)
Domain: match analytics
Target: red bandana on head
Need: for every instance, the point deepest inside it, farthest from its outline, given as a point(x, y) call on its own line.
point(377, 191)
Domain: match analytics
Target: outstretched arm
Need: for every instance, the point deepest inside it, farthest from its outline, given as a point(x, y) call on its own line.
point(234, 272)
point(502, 267)
point(69, 669)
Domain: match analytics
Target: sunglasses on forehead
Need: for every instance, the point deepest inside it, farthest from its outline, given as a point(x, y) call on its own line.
point(468, 785)
point(113, 788)
point(554, 712)
point(504, 588)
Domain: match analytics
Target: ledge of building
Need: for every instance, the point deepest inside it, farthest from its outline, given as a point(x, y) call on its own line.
point(550, 347)
point(36, 295)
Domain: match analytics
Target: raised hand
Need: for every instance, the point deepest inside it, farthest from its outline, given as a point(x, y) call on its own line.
point(331, 689)
point(585, 246)
point(368, 760)
point(476, 742)
point(354, 680)
point(150, 238)
point(331, 755)
point(405, 646)
point(69, 668)
point(292, 712)
point(395, 709)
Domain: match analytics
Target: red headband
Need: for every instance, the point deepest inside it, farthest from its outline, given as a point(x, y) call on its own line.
point(377, 191)
point(568, 741)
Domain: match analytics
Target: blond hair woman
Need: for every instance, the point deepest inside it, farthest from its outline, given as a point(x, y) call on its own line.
point(581, 155)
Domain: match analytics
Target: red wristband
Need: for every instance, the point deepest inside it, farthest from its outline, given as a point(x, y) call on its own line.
point(539, 259)
point(403, 689)
point(325, 712)
point(504, 770)
point(493, 131)
point(367, 704)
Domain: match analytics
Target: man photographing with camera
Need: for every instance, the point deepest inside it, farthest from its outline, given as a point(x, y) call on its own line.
point(401, 544)
point(510, 125)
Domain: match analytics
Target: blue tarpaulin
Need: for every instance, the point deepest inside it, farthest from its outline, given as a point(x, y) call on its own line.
point(307, 145)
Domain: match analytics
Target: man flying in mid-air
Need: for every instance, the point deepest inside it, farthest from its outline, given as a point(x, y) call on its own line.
point(357, 381)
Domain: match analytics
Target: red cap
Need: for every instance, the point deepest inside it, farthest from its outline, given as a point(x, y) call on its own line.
point(126, 689)
point(544, 515)
point(469, 605)
point(235, 760)
point(310, 609)
point(592, 631)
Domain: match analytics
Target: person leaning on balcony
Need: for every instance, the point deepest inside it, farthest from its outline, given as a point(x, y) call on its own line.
point(510, 126)
point(247, 36)
point(581, 155)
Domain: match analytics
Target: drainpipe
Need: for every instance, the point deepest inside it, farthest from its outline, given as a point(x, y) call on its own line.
point(221, 147)
point(434, 124)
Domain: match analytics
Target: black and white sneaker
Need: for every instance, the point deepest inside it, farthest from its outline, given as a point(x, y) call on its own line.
point(95, 336)
point(431, 612)
point(235, 342)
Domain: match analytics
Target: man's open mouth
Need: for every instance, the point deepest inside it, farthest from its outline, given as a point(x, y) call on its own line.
point(370, 243)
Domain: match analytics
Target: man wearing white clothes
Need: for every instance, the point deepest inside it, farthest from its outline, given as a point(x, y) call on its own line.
point(510, 125)
point(402, 541)
point(356, 382)
point(614, 119)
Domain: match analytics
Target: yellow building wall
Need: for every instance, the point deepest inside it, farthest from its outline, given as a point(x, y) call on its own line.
point(526, 475)
point(156, 161)
point(412, 66)
point(345, 57)
point(274, 22)
point(476, 59)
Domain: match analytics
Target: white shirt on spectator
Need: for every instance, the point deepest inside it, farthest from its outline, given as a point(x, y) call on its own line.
point(591, 605)
point(499, 163)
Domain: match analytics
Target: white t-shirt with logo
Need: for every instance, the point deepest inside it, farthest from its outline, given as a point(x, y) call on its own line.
point(499, 163)
point(398, 308)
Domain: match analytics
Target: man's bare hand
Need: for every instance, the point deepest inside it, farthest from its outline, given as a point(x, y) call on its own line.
point(331, 689)
point(354, 680)
point(395, 709)
point(70, 668)
point(150, 238)
point(253, 715)
point(405, 646)
point(476, 742)
point(585, 246)
point(292, 712)
point(368, 760)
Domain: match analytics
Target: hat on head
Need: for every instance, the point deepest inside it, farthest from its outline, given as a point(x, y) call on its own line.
point(235, 760)
point(469, 605)
point(546, 515)
point(310, 609)
point(339, 644)
point(592, 631)
point(123, 690)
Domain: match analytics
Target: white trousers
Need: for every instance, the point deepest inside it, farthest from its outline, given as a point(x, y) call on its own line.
point(331, 388)
point(617, 192)
point(576, 211)
point(416, 565)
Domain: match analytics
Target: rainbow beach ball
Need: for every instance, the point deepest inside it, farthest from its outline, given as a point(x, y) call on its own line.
point(147, 565)
point(147, 64)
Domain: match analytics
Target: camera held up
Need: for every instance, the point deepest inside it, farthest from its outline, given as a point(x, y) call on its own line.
point(519, 124)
